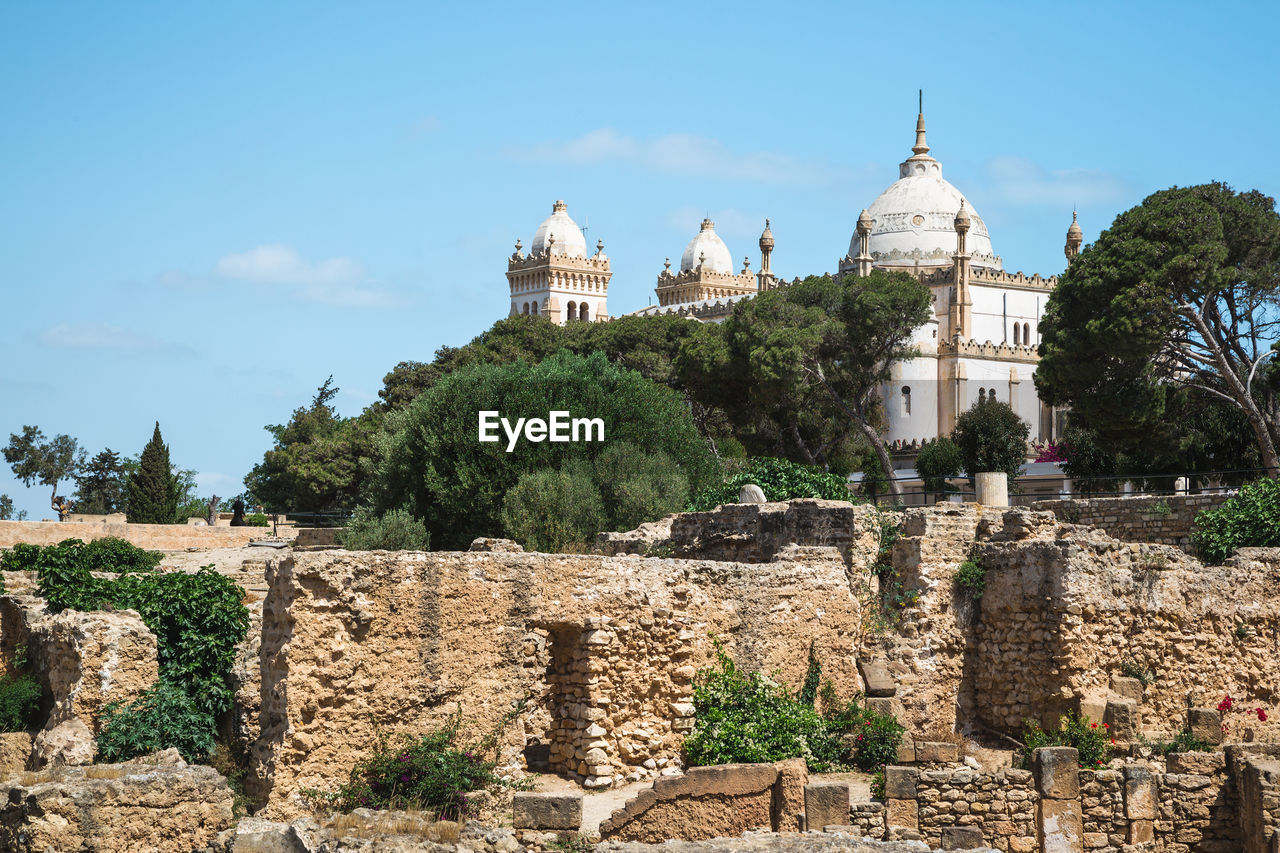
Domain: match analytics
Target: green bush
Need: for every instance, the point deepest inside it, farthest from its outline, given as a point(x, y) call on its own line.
point(20, 696)
point(434, 466)
point(637, 486)
point(779, 479)
point(1183, 741)
point(747, 717)
point(937, 461)
point(1250, 519)
point(1091, 740)
point(552, 510)
point(991, 437)
point(970, 578)
point(393, 530)
point(64, 570)
point(163, 717)
point(432, 773)
point(258, 519)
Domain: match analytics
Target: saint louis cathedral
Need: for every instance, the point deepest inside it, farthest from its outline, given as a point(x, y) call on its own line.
point(980, 344)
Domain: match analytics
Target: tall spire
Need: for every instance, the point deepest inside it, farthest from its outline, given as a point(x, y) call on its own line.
point(921, 147)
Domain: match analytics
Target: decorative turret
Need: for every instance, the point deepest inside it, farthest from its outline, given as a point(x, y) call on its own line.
point(862, 260)
point(921, 147)
point(1075, 238)
point(960, 306)
point(557, 278)
point(766, 249)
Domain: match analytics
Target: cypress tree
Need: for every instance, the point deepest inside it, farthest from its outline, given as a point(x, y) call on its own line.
point(151, 495)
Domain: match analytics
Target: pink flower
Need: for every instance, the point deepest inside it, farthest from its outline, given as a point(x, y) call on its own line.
point(1262, 715)
point(1225, 704)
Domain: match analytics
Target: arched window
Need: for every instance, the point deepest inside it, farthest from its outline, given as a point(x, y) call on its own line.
point(906, 400)
point(533, 308)
point(526, 308)
point(1026, 334)
point(1017, 334)
point(583, 313)
point(572, 313)
point(982, 395)
point(991, 395)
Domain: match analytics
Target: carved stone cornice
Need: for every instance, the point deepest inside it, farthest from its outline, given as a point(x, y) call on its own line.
point(988, 351)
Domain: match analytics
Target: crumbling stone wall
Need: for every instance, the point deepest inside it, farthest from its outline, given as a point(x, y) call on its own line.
point(1166, 519)
point(604, 648)
point(1000, 805)
point(155, 537)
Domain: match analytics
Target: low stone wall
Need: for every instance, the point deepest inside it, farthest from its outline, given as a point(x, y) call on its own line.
point(713, 802)
point(603, 649)
point(1166, 519)
point(153, 537)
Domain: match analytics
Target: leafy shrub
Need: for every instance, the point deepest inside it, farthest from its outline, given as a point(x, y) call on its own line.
point(637, 486)
point(258, 519)
point(1091, 740)
point(808, 694)
point(20, 696)
point(64, 569)
point(937, 461)
point(433, 772)
point(748, 717)
point(393, 530)
point(991, 437)
point(1143, 671)
point(779, 479)
point(971, 579)
point(550, 510)
point(1183, 741)
point(163, 717)
point(877, 785)
point(1248, 519)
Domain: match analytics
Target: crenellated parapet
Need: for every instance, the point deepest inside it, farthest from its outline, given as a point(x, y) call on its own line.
point(988, 350)
point(701, 284)
point(993, 277)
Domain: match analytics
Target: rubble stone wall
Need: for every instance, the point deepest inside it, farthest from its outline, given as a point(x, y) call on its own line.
point(1001, 805)
point(1166, 519)
point(604, 649)
point(155, 537)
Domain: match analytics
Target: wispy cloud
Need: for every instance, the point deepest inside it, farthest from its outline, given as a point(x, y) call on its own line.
point(1021, 181)
point(105, 337)
point(686, 154)
point(334, 281)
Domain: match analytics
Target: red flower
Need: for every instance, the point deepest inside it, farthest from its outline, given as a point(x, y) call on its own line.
point(1225, 704)
point(1106, 725)
point(1262, 715)
point(866, 722)
point(1113, 740)
point(1093, 725)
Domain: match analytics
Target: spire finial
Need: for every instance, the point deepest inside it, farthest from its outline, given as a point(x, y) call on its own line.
point(921, 147)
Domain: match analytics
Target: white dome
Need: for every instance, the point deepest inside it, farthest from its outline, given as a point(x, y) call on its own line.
point(569, 240)
point(914, 219)
point(707, 245)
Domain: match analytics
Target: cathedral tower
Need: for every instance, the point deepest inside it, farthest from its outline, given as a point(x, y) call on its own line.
point(557, 278)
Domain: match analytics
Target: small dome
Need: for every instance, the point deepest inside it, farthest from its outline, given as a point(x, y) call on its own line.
point(561, 233)
point(708, 247)
point(962, 218)
point(766, 239)
point(1074, 230)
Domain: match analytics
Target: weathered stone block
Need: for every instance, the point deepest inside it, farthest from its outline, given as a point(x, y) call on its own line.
point(788, 794)
point(1139, 793)
point(1195, 763)
point(902, 813)
point(1142, 831)
point(1060, 827)
point(900, 782)
point(826, 804)
point(907, 749)
point(936, 751)
point(546, 811)
point(1122, 718)
point(877, 679)
point(1057, 772)
point(15, 749)
point(961, 837)
point(1205, 724)
point(1126, 687)
point(888, 705)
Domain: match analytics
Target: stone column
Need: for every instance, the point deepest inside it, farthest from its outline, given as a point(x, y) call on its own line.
point(901, 808)
point(993, 488)
point(1059, 818)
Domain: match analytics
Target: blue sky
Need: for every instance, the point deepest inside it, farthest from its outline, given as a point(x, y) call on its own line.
point(209, 208)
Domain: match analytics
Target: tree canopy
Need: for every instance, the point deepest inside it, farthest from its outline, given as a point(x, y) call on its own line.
point(35, 459)
point(1176, 306)
point(991, 437)
point(151, 492)
point(100, 485)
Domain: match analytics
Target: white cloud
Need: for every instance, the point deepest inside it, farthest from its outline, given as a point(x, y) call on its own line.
point(686, 154)
point(1021, 181)
point(335, 281)
point(102, 336)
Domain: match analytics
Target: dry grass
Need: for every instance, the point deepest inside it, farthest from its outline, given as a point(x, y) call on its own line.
point(35, 778)
point(105, 771)
point(416, 824)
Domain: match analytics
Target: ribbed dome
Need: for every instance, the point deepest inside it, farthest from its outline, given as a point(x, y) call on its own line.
point(707, 245)
point(569, 240)
point(915, 217)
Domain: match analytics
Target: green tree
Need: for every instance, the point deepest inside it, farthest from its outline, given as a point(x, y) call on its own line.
point(991, 437)
point(100, 486)
point(47, 462)
point(638, 486)
point(320, 461)
point(435, 466)
point(809, 358)
point(937, 461)
point(151, 493)
point(6, 510)
point(554, 509)
point(1181, 294)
